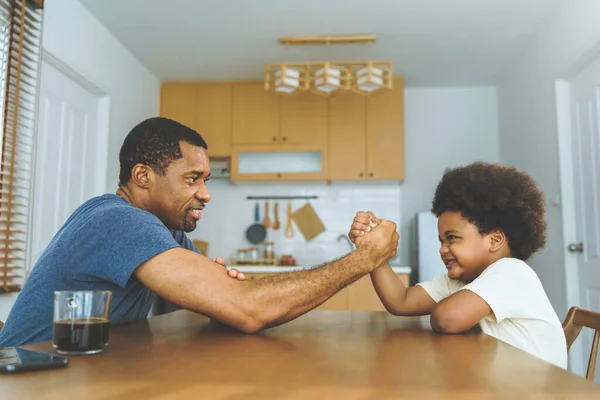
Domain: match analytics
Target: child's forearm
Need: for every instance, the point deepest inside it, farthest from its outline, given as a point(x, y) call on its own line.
point(390, 289)
point(396, 297)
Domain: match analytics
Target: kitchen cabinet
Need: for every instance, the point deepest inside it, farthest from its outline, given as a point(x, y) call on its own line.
point(278, 162)
point(385, 134)
point(263, 118)
point(204, 107)
point(178, 102)
point(366, 135)
point(344, 137)
point(304, 120)
point(347, 136)
point(358, 296)
point(213, 117)
point(278, 138)
point(255, 115)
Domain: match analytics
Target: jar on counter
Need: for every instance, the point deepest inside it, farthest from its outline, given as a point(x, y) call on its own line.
point(287, 260)
point(242, 256)
point(253, 253)
point(269, 252)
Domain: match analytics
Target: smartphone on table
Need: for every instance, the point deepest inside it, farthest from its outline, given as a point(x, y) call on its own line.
point(18, 359)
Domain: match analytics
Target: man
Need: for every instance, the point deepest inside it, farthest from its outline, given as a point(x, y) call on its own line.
point(133, 244)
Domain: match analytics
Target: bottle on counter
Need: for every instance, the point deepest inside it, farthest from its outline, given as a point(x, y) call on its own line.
point(242, 257)
point(269, 252)
point(253, 255)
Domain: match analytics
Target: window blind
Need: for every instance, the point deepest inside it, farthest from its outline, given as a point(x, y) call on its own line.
point(20, 48)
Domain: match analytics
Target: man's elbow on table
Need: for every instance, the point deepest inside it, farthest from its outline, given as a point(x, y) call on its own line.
point(250, 326)
point(253, 313)
point(246, 317)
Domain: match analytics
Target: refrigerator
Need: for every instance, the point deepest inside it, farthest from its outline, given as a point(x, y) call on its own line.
point(428, 247)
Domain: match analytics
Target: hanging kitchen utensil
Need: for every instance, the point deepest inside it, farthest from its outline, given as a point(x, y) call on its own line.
point(267, 220)
point(308, 222)
point(256, 232)
point(289, 229)
point(276, 224)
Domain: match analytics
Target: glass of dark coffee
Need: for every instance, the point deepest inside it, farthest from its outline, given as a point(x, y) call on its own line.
point(81, 321)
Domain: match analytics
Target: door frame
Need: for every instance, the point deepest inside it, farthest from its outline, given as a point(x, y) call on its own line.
point(102, 138)
point(568, 213)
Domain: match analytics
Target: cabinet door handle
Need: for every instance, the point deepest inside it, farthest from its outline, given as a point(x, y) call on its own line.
point(284, 138)
point(279, 175)
point(371, 175)
point(361, 174)
point(274, 139)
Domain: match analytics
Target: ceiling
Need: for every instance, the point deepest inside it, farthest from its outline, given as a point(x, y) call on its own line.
point(430, 42)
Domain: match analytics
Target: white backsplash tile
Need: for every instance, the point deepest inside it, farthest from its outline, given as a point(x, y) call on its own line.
point(229, 213)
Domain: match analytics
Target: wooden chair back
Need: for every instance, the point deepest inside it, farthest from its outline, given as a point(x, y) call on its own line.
point(576, 319)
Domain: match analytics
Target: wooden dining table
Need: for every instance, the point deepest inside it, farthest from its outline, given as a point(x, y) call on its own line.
point(321, 355)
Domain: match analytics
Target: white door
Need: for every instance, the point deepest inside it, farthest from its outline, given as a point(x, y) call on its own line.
point(70, 161)
point(585, 134)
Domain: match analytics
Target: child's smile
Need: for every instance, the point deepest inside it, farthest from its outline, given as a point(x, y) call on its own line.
point(464, 251)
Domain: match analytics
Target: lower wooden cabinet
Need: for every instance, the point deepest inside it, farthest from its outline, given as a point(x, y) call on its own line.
point(358, 296)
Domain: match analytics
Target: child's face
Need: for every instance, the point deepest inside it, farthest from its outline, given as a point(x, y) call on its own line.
point(465, 251)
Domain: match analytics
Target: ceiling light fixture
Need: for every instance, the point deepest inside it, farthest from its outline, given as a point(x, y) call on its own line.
point(327, 78)
point(341, 39)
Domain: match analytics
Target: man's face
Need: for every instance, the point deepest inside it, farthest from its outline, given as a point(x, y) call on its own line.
point(178, 196)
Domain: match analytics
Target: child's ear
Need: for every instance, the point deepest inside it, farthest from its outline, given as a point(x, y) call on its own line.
point(497, 240)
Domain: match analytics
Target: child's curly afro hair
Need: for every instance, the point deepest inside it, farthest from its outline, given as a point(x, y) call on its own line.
point(493, 196)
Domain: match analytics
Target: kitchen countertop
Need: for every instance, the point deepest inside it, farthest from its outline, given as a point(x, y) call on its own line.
point(269, 269)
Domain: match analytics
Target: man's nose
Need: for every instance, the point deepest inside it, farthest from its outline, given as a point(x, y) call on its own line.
point(203, 194)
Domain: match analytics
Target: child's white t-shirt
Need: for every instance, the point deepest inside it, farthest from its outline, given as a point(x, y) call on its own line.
point(522, 314)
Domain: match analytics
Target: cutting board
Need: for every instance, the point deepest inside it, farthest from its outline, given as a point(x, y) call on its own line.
point(308, 222)
point(201, 245)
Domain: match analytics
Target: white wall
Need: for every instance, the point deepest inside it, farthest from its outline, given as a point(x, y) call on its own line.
point(527, 119)
point(75, 38)
point(445, 127)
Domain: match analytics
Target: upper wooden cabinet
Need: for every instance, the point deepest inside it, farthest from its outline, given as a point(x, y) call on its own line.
point(178, 102)
point(204, 107)
point(366, 135)
point(359, 137)
point(304, 119)
point(385, 134)
point(347, 136)
point(261, 117)
point(213, 117)
point(255, 115)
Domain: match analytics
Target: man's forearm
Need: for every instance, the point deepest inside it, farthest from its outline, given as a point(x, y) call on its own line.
point(280, 298)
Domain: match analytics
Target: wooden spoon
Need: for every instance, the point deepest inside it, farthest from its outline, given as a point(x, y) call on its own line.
point(276, 224)
point(267, 221)
point(289, 229)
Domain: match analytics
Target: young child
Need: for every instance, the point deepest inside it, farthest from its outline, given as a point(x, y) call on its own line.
point(490, 220)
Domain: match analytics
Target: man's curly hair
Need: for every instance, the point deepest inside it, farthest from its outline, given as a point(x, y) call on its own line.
point(155, 143)
point(493, 196)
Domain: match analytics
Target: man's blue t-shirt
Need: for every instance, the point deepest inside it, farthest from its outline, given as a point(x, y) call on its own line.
point(98, 248)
